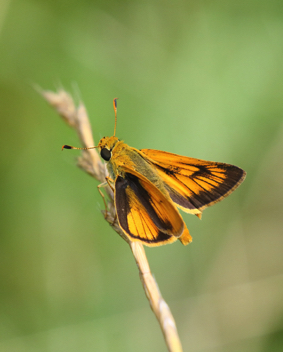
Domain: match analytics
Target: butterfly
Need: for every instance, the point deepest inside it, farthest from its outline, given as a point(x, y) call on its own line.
point(150, 185)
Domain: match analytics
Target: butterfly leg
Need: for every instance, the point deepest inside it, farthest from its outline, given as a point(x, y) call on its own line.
point(104, 184)
point(109, 181)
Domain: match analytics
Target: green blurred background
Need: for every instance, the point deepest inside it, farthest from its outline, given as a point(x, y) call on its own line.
point(203, 79)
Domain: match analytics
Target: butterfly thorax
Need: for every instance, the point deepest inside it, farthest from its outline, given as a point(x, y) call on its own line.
point(122, 159)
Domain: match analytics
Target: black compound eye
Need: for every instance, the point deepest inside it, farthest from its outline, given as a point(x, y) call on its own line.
point(105, 154)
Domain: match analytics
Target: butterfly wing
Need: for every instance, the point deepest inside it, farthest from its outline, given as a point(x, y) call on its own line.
point(194, 184)
point(145, 213)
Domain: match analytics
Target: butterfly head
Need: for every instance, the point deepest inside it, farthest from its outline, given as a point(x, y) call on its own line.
point(106, 145)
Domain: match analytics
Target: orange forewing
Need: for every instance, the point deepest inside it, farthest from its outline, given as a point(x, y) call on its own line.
point(194, 184)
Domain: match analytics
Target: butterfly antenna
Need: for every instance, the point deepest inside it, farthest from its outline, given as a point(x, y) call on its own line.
point(115, 111)
point(66, 146)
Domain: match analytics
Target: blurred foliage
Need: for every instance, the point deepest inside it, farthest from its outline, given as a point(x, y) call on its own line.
point(202, 79)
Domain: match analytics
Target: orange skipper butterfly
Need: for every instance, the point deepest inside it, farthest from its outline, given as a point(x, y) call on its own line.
point(150, 185)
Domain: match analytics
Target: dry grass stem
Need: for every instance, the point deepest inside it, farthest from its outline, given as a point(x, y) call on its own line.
point(90, 162)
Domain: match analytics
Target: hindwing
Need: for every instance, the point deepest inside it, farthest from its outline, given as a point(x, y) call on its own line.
point(145, 213)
